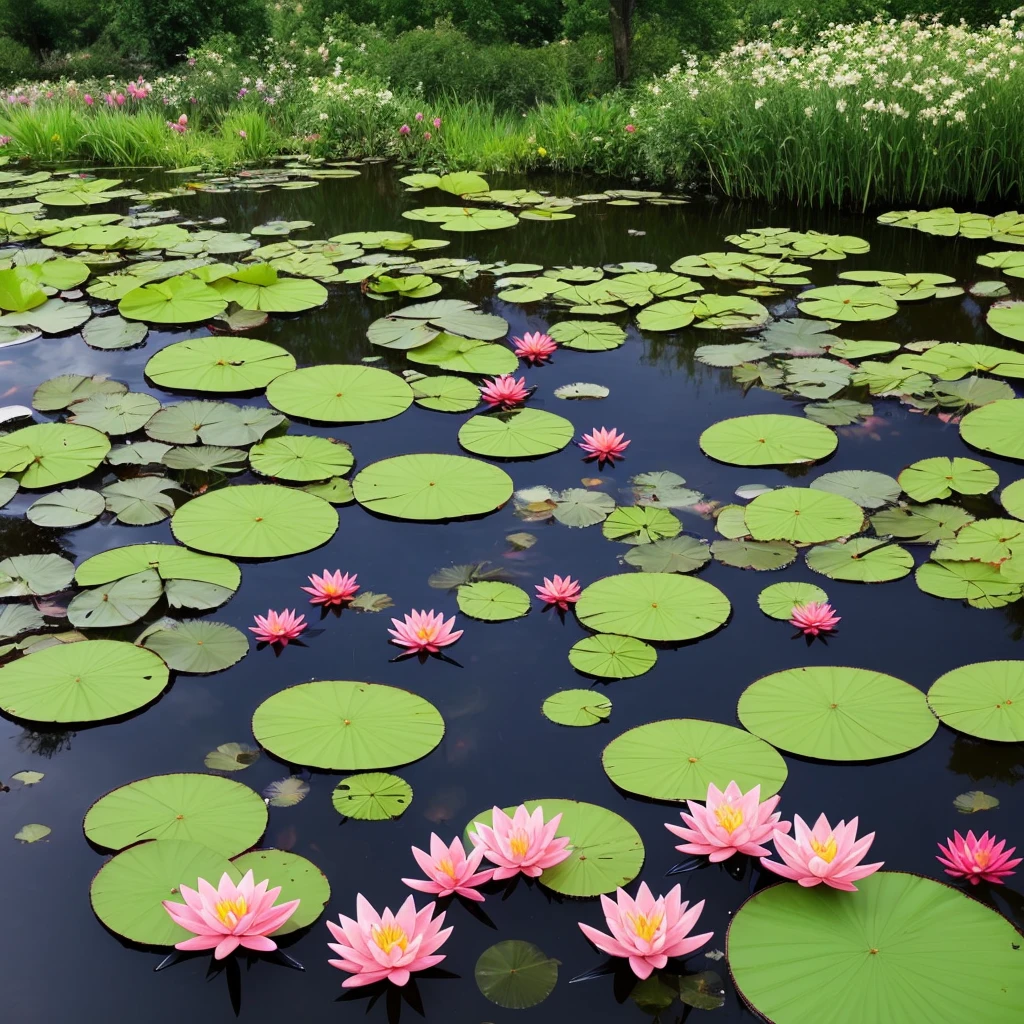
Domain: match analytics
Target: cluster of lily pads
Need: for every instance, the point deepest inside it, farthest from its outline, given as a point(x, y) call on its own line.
point(142, 460)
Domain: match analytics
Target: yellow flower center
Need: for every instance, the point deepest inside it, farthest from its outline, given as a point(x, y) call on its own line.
point(390, 935)
point(645, 927)
point(826, 850)
point(729, 817)
point(519, 841)
point(447, 867)
point(423, 633)
point(982, 857)
point(230, 912)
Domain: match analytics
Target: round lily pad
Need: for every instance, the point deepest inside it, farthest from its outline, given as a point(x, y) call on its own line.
point(170, 561)
point(515, 974)
point(675, 554)
point(901, 950)
point(372, 796)
point(592, 336)
point(940, 477)
point(837, 714)
point(802, 515)
point(347, 726)
point(301, 457)
point(864, 486)
point(340, 394)
point(520, 434)
point(178, 300)
point(607, 852)
point(676, 758)
point(979, 584)
point(576, 707)
point(86, 681)
point(779, 600)
point(861, 560)
point(847, 302)
point(432, 486)
point(1012, 498)
point(985, 699)
point(300, 879)
point(997, 427)
point(493, 601)
point(456, 354)
point(116, 604)
point(608, 656)
point(653, 606)
point(446, 394)
point(198, 646)
point(767, 440)
point(72, 506)
point(640, 524)
point(220, 365)
point(212, 423)
point(759, 555)
point(255, 521)
point(114, 414)
point(128, 892)
point(48, 454)
point(34, 575)
point(224, 815)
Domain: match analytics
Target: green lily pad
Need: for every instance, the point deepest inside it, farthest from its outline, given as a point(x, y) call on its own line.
point(676, 554)
point(940, 477)
point(300, 879)
point(1007, 319)
point(779, 600)
point(172, 562)
point(519, 434)
point(431, 487)
point(231, 757)
point(258, 286)
point(140, 500)
point(116, 604)
point(729, 312)
point(576, 707)
point(608, 656)
point(985, 540)
point(347, 726)
point(861, 560)
point(204, 458)
point(839, 412)
point(848, 348)
point(221, 365)
point(731, 355)
point(114, 332)
point(446, 394)
point(1012, 498)
point(197, 645)
point(128, 892)
point(301, 458)
point(581, 390)
point(178, 300)
point(372, 796)
point(515, 974)
point(212, 423)
point(759, 555)
point(493, 601)
point(55, 316)
point(669, 315)
point(224, 815)
point(864, 486)
point(255, 521)
point(767, 440)
point(115, 414)
point(922, 524)
point(48, 454)
point(141, 453)
point(979, 584)
point(587, 336)
point(82, 682)
point(464, 355)
point(336, 490)
point(16, 619)
point(939, 954)
point(848, 303)
point(676, 759)
point(72, 506)
point(985, 699)
point(464, 218)
point(640, 524)
point(653, 606)
point(8, 489)
point(802, 515)
point(997, 427)
point(34, 575)
point(413, 326)
point(578, 507)
point(340, 394)
point(837, 714)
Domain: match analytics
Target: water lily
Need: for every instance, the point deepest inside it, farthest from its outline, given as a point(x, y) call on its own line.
point(560, 590)
point(647, 931)
point(449, 870)
point(230, 915)
point(814, 617)
point(604, 444)
point(424, 631)
point(978, 860)
point(523, 843)
point(535, 347)
point(823, 854)
point(332, 588)
point(375, 947)
point(504, 390)
point(728, 823)
point(278, 627)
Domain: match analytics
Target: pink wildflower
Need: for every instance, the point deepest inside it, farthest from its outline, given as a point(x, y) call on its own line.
point(404, 130)
point(630, 128)
point(88, 100)
point(419, 116)
point(437, 122)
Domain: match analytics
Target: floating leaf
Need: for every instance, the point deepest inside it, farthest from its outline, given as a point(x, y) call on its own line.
point(28, 778)
point(802, 515)
point(861, 560)
point(214, 423)
point(340, 394)
point(493, 602)
point(141, 453)
point(522, 433)
point(414, 326)
point(980, 585)
point(299, 879)
point(258, 287)
point(116, 604)
point(446, 394)
point(368, 601)
point(984, 699)
point(515, 974)
point(372, 796)
point(640, 524)
point(608, 656)
point(198, 646)
point(32, 833)
point(47, 454)
point(663, 489)
point(172, 562)
point(923, 524)
point(221, 365)
point(16, 619)
point(140, 500)
point(779, 600)
point(864, 486)
point(973, 801)
point(767, 440)
point(576, 707)
point(231, 757)
point(840, 412)
point(997, 427)
point(286, 792)
point(587, 336)
point(676, 554)
point(178, 300)
point(581, 390)
point(114, 332)
point(754, 554)
point(34, 575)
point(939, 477)
point(336, 490)
point(577, 507)
point(301, 458)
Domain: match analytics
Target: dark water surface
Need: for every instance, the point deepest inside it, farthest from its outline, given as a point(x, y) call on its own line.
point(61, 964)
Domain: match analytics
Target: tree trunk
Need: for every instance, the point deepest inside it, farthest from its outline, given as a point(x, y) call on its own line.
point(620, 17)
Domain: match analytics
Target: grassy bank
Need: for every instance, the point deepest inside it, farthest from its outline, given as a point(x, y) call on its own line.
point(908, 112)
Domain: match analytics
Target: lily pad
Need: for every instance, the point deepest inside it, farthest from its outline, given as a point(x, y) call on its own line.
point(446, 394)
point(923, 524)
point(676, 759)
point(259, 287)
point(115, 414)
point(779, 600)
point(1007, 319)
point(178, 300)
point(221, 365)
point(340, 394)
point(140, 500)
point(212, 423)
point(413, 326)
point(198, 645)
point(576, 707)
point(640, 524)
point(520, 434)
point(861, 560)
point(985, 699)
point(464, 355)
point(997, 427)
point(48, 454)
point(676, 554)
point(287, 792)
point(837, 714)
point(979, 584)
point(301, 458)
point(864, 486)
point(581, 390)
point(372, 796)
point(34, 575)
point(578, 507)
point(669, 315)
point(116, 604)
point(204, 458)
point(16, 619)
point(1012, 498)
point(141, 453)
point(347, 726)
point(767, 440)
point(587, 336)
point(492, 601)
point(802, 515)
point(848, 303)
point(173, 563)
point(515, 974)
point(940, 477)
point(759, 555)
point(231, 757)
point(114, 332)
point(300, 879)
point(608, 656)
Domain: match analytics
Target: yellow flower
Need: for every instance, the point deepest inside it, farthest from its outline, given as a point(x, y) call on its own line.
point(55, 137)
point(541, 151)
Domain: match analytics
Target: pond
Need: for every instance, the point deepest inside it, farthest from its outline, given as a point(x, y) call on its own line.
point(498, 748)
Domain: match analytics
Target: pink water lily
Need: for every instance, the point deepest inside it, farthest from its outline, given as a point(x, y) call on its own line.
point(230, 915)
point(278, 627)
point(375, 947)
point(560, 590)
point(647, 931)
point(332, 588)
point(505, 391)
point(814, 617)
point(605, 445)
point(730, 822)
point(823, 854)
point(978, 860)
point(535, 347)
point(424, 631)
point(523, 843)
point(449, 870)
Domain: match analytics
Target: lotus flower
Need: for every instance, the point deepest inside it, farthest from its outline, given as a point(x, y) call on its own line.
point(278, 627)
point(561, 590)
point(604, 445)
point(523, 843)
point(814, 617)
point(230, 915)
point(332, 588)
point(824, 854)
point(978, 859)
point(647, 930)
point(424, 631)
point(449, 870)
point(505, 391)
point(378, 946)
point(535, 347)
point(731, 822)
